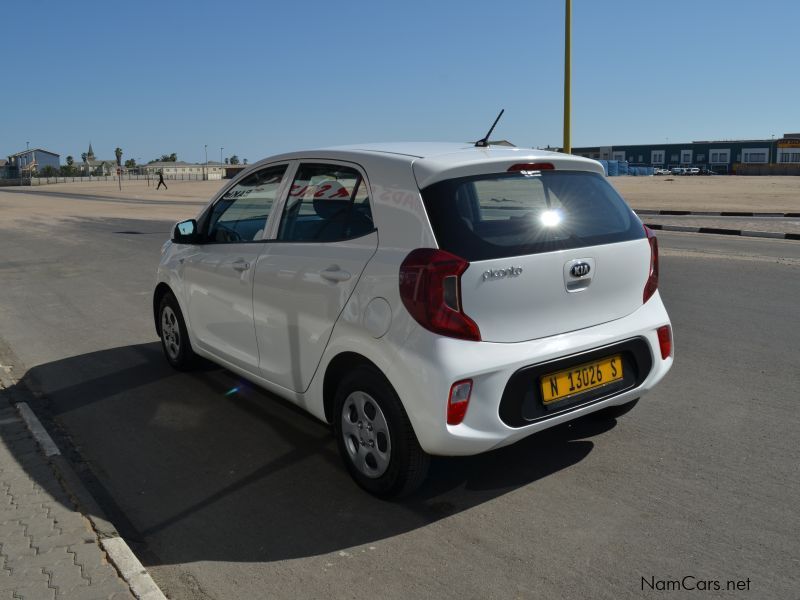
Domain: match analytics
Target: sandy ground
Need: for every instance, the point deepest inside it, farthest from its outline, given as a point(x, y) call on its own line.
point(720, 193)
point(184, 199)
point(50, 203)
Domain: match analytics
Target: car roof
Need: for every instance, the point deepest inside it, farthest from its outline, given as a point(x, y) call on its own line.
point(433, 161)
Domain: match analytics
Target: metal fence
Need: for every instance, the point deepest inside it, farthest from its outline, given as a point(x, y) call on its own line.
point(103, 178)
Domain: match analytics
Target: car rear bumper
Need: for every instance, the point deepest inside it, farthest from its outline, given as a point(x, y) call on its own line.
point(498, 412)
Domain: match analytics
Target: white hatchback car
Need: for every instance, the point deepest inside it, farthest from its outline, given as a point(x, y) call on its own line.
point(424, 299)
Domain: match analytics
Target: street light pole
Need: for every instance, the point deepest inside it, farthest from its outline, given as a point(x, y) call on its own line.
point(567, 76)
point(205, 174)
point(772, 143)
point(28, 159)
point(220, 155)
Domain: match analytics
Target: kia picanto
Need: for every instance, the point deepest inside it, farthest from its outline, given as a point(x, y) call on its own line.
point(423, 299)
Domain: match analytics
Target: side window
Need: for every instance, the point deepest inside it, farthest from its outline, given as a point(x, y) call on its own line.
point(241, 214)
point(326, 203)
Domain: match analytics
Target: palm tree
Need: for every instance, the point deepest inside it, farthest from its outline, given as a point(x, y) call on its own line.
point(83, 156)
point(118, 154)
point(70, 161)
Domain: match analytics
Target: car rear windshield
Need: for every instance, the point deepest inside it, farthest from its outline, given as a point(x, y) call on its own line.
point(511, 214)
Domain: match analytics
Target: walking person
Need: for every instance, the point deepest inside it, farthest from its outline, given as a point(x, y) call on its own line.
point(161, 181)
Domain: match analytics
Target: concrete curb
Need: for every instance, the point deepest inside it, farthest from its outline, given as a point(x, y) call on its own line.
point(117, 550)
point(729, 213)
point(37, 430)
point(131, 570)
point(718, 231)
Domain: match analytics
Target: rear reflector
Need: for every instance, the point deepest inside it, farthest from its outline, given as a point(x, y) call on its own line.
point(664, 341)
point(531, 167)
point(458, 401)
point(652, 276)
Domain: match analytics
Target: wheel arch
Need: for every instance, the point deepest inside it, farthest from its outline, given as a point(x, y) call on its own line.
point(162, 289)
point(337, 368)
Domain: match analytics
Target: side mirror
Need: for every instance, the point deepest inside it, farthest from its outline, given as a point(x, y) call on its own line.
point(185, 232)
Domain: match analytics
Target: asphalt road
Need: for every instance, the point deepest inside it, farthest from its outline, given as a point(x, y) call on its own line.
point(238, 495)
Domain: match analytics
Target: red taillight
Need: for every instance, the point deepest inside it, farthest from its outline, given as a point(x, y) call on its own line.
point(531, 167)
point(652, 278)
point(458, 401)
point(665, 341)
point(430, 287)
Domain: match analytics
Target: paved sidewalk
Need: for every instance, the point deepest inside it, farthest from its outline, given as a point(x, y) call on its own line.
point(47, 548)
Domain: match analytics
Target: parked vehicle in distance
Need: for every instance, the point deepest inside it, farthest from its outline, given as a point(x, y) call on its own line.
point(678, 170)
point(661, 171)
point(693, 171)
point(423, 299)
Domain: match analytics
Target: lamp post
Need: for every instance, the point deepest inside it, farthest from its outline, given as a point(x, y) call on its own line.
point(567, 76)
point(28, 159)
point(205, 170)
point(220, 155)
point(772, 143)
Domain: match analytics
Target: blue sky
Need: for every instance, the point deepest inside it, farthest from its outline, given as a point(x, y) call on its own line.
point(263, 77)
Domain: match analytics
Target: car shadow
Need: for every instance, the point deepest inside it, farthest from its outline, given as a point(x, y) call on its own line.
point(205, 466)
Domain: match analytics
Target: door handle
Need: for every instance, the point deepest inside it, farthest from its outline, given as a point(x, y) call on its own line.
point(241, 265)
point(334, 273)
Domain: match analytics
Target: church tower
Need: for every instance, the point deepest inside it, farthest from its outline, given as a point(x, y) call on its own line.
point(90, 153)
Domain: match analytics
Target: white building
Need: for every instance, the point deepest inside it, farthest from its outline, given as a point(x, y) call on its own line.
point(180, 169)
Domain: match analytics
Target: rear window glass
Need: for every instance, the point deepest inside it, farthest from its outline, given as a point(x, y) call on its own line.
point(528, 212)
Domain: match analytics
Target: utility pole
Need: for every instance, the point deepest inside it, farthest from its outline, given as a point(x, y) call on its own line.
point(220, 155)
point(205, 174)
point(567, 76)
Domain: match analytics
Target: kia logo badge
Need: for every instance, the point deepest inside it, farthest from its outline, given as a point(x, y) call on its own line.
point(580, 269)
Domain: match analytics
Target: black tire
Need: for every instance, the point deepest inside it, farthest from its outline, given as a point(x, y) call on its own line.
point(615, 412)
point(175, 341)
point(407, 461)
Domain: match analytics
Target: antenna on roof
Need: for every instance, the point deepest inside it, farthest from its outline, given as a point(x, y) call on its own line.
point(483, 142)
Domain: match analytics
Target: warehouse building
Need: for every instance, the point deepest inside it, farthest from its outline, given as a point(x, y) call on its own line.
point(745, 157)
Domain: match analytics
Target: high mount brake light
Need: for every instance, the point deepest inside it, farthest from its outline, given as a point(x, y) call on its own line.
point(531, 167)
point(652, 276)
point(430, 287)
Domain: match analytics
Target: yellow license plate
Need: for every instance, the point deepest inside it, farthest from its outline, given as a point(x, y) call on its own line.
point(563, 384)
